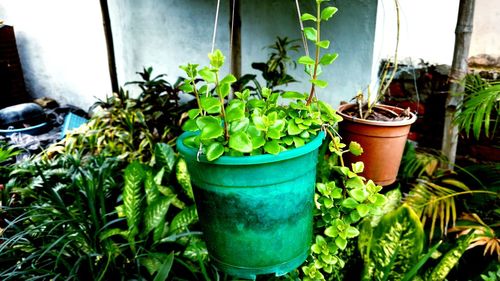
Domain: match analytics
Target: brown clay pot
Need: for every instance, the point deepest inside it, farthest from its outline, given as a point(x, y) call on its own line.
point(383, 143)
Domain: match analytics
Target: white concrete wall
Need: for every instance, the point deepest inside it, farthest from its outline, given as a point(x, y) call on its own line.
point(167, 33)
point(62, 48)
point(486, 31)
point(63, 51)
point(428, 30)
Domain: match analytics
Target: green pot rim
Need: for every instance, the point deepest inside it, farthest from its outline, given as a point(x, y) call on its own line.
point(250, 160)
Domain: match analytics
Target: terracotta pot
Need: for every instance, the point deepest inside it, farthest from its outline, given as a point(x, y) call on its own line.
point(383, 143)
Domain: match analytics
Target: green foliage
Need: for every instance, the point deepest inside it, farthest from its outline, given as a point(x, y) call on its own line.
point(342, 201)
point(274, 70)
point(480, 108)
point(130, 127)
point(450, 259)
point(392, 247)
point(247, 125)
point(83, 216)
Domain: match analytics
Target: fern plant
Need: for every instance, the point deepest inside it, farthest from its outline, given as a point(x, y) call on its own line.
point(479, 111)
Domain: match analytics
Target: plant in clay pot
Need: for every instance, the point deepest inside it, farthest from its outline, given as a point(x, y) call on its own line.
point(380, 129)
point(253, 162)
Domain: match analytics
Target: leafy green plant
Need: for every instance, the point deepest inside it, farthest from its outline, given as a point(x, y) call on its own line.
point(480, 108)
point(249, 126)
point(393, 249)
point(158, 102)
point(393, 246)
point(274, 70)
point(343, 199)
point(82, 216)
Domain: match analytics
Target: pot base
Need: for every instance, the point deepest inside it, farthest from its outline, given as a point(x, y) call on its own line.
point(251, 273)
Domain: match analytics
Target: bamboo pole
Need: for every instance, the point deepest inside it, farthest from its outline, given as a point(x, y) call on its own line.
point(235, 27)
point(109, 45)
point(459, 68)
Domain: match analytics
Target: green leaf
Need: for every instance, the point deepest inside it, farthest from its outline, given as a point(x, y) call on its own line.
point(155, 213)
point(450, 259)
point(363, 210)
point(310, 33)
point(341, 242)
point(355, 148)
point(240, 142)
point(349, 203)
point(229, 79)
point(164, 157)
point(327, 13)
point(323, 44)
point(208, 75)
point(331, 231)
point(293, 129)
point(298, 142)
point(358, 167)
point(306, 60)
point(355, 182)
point(193, 113)
point(224, 89)
point(392, 247)
point(235, 110)
point(307, 16)
point(256, 136)
point(328, 59)
point(183, 178)
point(272, 147)
point(183, 220)
point(319, 83)
point(165, 268)
point(210, 104)
point(152, 192)
point(351, 232)
point(190, 126)
point(293, 95)
point(359, 194)
point(239, 125)
point(216, 59)
point(214, 151)
point(133, 177)
point(210, 127)
point(186, 88)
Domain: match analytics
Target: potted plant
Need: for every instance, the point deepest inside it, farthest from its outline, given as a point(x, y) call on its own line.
point(381, 130)
point(253, 163)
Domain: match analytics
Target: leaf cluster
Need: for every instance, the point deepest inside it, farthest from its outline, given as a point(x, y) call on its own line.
point(83, 216)
point(247, 125)
point(341, 205)
point(480, 108)
point(274, 71)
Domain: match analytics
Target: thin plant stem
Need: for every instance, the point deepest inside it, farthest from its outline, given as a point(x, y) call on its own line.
point(316, 60)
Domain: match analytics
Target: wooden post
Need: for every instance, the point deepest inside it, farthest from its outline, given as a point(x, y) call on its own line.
point(235, 25)
point(109, 45)
point(459, 68)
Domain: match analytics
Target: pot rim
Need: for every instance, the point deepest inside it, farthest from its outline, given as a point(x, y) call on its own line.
point(398, 123)
point(253, 159)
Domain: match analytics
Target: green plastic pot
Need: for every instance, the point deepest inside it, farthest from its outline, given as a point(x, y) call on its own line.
point(255, 211)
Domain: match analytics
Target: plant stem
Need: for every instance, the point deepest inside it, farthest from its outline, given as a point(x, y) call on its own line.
point(388, 83)
point(336, 147)
point(198, 102)
point(222, 109)
point(316, 60)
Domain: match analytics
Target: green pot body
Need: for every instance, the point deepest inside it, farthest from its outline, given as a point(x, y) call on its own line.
point(255, 211)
